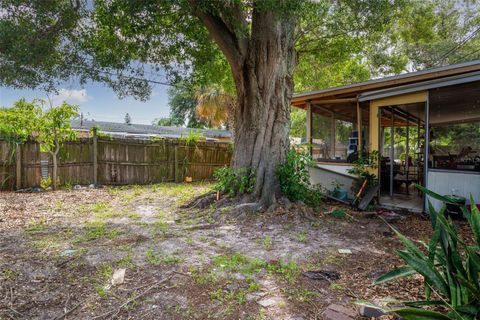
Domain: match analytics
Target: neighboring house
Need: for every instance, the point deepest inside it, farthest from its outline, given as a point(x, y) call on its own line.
point(434, 115)
point(145, 131)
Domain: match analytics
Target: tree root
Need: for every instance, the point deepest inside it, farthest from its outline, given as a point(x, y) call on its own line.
point(239, 211)
point(200, 202)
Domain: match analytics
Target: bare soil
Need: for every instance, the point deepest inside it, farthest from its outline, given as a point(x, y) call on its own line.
point(59, 250)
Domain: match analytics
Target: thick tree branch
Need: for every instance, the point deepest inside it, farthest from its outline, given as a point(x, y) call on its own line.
point(223, 35)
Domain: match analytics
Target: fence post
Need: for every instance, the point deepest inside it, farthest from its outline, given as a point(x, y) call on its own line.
point(175, 157)
point(95, 156)
point(18, 166)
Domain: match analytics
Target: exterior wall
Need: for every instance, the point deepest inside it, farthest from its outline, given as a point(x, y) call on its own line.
point(326, 174)
point(442, 182)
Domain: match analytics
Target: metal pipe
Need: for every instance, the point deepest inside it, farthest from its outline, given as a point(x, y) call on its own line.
point(407, 167)
point(392, 151)
point(427, 151)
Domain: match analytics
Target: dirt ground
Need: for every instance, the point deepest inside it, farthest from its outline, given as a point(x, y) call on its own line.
point(59, 251)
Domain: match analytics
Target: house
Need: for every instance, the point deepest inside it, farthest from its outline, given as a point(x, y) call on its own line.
point(145, 131)
point(425, 126)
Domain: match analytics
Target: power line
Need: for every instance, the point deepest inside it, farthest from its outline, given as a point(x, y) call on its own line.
point(458, 46)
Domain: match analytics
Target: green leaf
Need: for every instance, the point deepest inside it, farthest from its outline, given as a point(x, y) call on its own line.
point(475, 220)
point(420, 314)
point(433, 194)
point(427, 270)
point(424, 303)
point(395, 273)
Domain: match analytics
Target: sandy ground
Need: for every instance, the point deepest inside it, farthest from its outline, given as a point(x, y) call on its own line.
point(59, 251)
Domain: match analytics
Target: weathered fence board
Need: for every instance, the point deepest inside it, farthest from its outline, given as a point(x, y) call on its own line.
point(119, 161)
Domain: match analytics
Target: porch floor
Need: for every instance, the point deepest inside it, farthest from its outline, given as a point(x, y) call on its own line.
point(412, 202)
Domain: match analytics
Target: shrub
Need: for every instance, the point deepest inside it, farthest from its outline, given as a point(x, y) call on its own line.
point(45, 182)
point(449, 268)
point(363, 167)
point(233, 181)
point(295, 178)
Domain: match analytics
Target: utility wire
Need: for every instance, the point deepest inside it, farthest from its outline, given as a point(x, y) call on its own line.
point(458, 46)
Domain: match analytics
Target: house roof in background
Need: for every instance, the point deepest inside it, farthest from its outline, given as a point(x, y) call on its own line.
point(145, 129)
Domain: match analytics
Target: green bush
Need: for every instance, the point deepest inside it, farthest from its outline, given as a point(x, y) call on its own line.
point(295, 178)
point(233, 181)
point(362, 168)
point(450, 267)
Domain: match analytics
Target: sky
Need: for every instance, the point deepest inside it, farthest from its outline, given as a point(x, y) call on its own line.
point(99, 102)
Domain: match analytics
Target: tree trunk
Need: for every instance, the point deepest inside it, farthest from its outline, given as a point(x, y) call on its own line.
point(264, 92)
point(262, 59)
point(54, 170)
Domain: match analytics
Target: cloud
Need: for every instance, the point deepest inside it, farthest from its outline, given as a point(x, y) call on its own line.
point(71, 96)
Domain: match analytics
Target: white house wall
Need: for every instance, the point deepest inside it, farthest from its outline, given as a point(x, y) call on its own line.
point(465, 183)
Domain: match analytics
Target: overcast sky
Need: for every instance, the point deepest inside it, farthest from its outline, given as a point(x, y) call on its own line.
point(99, 102)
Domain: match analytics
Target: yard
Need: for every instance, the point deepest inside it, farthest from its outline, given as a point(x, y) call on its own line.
point(59, 251)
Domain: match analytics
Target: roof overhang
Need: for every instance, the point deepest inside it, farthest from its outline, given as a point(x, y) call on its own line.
point(422, 86)
point(300, 100)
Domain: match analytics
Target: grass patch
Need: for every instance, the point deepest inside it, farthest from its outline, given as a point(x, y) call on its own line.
point(9, 274)
point(289, 271)
point(98, 229)
point(156, 259)
point(267, 243)
point(38, 225)
point(302, 236)
point(239, 263)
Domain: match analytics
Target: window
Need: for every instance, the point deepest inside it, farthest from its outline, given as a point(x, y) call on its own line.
point(332, 139)
point(455, 127)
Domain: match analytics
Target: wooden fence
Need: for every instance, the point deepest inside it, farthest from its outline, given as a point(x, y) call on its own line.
point(114, 161)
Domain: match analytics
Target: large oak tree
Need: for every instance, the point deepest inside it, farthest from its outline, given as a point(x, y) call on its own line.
point(130, 45)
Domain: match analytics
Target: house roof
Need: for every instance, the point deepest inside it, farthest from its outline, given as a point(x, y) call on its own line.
point(353, 90)
point(145, 129)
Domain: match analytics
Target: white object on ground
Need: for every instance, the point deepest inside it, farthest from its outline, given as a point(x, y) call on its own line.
point(118, 277)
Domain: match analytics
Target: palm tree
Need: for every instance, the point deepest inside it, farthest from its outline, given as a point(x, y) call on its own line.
point(216, 106)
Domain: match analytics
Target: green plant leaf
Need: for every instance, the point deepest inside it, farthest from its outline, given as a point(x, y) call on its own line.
point(420, 314)
point(433, 194)
point(427, 270)
point(394, 274)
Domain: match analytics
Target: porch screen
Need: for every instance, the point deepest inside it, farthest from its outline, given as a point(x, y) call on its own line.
point(455, 127)
point(331, 138)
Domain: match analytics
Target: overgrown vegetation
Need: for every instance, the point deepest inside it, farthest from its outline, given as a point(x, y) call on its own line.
point(295, 178)
point(450, 267)
point(232, 181)
point(364, 168)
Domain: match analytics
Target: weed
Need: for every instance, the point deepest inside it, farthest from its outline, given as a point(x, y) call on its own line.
point(228, 296)
point(159, 259)
point(289, 271)
point(302, 236)
point(126, 261)
point(252, 285)
point(189, 240)
point(98, 229)
point(300, 294)
point(105, 271)
point(59, 206)
point(339, 213)
point(99, 207)
point(201, 277)
point(335, 286)
point(9, 274)
point(101, 291)
point(160, 227)
point(238, 262)
point(267, 242)
point(133, 215)
point(34, 226)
